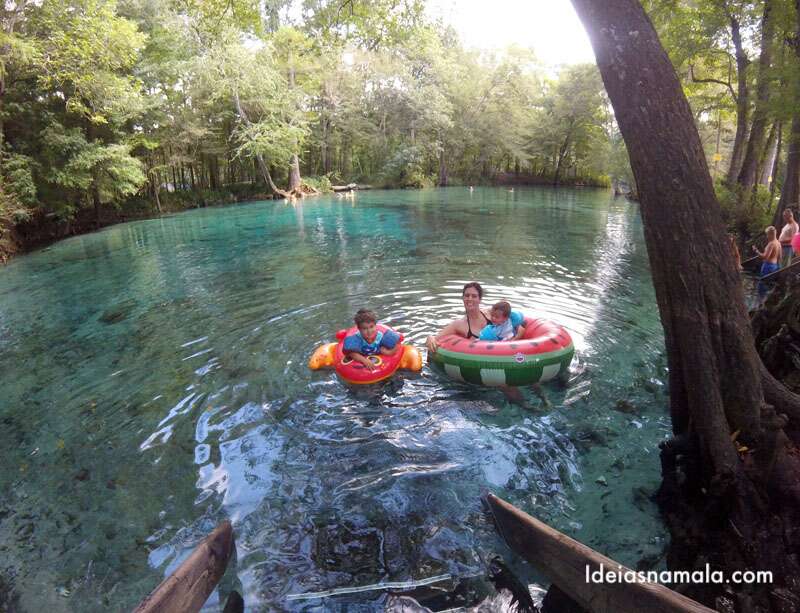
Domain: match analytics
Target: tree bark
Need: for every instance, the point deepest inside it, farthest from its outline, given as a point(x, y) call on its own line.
point(790, 190)
point(713, 365)
point(742, 102)
point(262, 165)
point(442, 167)
point(769, 154)
point(562, 153)
point(749, 173)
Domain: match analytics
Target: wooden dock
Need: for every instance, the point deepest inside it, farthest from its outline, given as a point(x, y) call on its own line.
point(568, 563)
point(188, 587)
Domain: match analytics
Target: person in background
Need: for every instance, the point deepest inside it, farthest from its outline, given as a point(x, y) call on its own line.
point(735, 251)
point(788, 231)
point(770, 257)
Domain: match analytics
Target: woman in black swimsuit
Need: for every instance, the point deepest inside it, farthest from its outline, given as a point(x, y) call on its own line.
point(470, 326)
point(472, 323)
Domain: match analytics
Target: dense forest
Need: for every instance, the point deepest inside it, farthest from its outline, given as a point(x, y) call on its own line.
point(112, 109)
point(740, 68)
point(152, 105)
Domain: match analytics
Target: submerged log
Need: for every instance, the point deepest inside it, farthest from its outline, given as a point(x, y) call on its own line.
point(568, 564)
point(345, 188)
point(188, 587)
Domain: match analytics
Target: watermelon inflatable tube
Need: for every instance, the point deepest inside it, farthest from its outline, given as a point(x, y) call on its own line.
point(543, 353)
point(332, 355)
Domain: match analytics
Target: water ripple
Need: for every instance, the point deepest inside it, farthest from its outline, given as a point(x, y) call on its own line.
point(157, 383)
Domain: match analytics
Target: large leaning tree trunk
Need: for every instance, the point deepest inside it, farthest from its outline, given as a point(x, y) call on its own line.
point(715, 374)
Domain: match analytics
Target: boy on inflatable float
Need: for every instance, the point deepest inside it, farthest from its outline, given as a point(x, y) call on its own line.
point(369, 340)
point(368, 353)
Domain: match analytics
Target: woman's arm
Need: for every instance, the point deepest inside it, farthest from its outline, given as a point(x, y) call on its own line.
point(451, 328)
point(520, 332)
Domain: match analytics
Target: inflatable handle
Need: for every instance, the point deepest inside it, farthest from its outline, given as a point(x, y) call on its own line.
point(323, 357)
point(341, 334)
point(411, 360)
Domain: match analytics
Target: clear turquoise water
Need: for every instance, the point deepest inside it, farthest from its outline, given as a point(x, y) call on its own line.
point(154, 383)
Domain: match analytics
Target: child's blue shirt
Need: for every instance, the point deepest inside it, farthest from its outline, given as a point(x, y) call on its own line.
point(504, 331)
point(356, 342)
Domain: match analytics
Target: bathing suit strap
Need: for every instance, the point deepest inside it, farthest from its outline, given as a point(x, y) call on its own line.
point(470, 333)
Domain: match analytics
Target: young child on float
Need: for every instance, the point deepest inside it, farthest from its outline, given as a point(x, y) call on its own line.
point(507, 325)
point(369, 340)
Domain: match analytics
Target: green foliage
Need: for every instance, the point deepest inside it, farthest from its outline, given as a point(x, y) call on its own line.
point(79, 166)
point(86, 54)
point(19, 185)
point(742, 213)
point(406, 168)
point(112, 102)
point(321, 184)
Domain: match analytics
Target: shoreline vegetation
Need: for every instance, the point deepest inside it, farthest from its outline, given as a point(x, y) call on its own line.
point(108, 103)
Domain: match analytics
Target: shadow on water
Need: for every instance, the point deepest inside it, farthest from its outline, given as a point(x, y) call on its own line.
point(155, 382)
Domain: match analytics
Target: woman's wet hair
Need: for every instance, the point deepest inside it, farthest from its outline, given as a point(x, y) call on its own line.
point(474, 284)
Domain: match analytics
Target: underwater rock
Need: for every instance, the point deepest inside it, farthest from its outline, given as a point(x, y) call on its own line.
point(625, 406)
point(83, 475)
point(118, 312)
point(641, 499)
point(345, 549)
point(587, 439)
point(601, 481)
point(647, 562)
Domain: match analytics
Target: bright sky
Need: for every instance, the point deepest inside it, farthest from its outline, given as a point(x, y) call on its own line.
point(550, 27)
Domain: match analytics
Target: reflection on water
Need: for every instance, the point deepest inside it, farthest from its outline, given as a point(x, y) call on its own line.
point(155, 383)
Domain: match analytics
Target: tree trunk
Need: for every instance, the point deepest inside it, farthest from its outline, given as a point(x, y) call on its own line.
point(715, 374)
point(742, 103)
point(324, 147)
point(294, 164)
point(769, 155)
point(790, 191)
point(749, 173)
point(294, 174)
point(262, 165)
point(562, 153)
point(442, 167)
point(713, 366)
point(775, 164)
